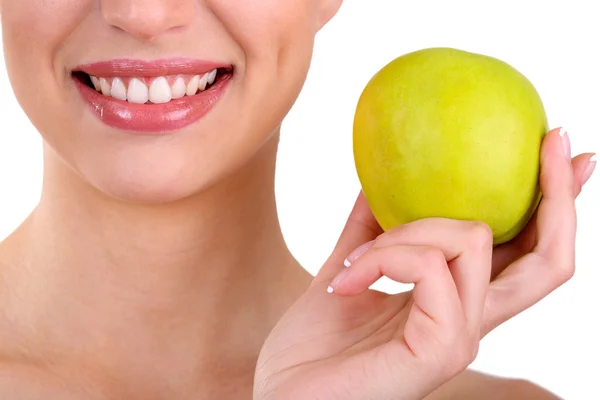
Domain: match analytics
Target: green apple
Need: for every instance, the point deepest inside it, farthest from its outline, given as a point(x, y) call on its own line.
point(443, 132)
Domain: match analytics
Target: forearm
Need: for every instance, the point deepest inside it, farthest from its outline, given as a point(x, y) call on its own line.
point(471, 385)
point(525, 390)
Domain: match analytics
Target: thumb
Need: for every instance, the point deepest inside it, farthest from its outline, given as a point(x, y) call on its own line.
point(361, 227)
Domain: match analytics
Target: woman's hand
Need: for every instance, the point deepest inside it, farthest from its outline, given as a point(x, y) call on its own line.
point(342, 341)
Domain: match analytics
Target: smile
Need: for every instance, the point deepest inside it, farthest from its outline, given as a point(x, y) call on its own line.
point(158, 96)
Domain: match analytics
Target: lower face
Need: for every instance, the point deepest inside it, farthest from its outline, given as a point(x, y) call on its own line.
point(152, 104)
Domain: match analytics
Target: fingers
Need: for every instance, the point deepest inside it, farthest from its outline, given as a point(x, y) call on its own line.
point(361, 227)
point(583, 166)
point(552, 261)
point(556, 219)
point(525, 241)
point(465, 246)
point(426, 267)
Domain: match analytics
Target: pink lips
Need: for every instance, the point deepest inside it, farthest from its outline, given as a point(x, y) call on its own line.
point(152, 118)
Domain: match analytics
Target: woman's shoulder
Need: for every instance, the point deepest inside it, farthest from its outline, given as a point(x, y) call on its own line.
point(473, 385)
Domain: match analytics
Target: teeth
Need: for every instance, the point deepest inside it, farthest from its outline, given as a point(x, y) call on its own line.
point(203, 82)
point(178, 89)
point(192, 87)
point(104, 87)
point(96, 83)
point(118, 89)
point(160, 91)
point(138, 92)
point(211, 76)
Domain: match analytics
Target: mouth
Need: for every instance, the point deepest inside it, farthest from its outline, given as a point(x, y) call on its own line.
point(159, 96)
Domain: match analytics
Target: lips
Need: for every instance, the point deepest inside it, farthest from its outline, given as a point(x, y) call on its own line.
point(152, 97)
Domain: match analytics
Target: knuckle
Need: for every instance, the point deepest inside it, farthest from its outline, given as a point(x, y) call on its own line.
point(480, 234)
point(395, 234)
point(563, 272)
point(432, 257)
point(380, 241)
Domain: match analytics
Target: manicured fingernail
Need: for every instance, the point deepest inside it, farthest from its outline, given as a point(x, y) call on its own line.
point(357, 253)
point(589, 170)
point(566, 143)
point(336, 281)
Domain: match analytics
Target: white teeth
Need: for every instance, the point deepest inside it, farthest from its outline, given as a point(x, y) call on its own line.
point(138, 92)
point(178, 89)
point(96, 83)
point(212, 76)
point(104, 86)
point(192, 87)
point(203, 82)
point(160, 91)
point(118, 89)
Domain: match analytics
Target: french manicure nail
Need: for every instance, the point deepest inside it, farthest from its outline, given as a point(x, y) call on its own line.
point(336, 281)
point(589, 170)
point(566, 143)
point(357, 253)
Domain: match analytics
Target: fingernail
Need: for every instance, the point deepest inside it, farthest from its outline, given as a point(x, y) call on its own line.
point(566, 143)
point(589, 170)
point(357, 253)
point(336, 281)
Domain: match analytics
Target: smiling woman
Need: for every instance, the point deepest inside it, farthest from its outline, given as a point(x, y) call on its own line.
point(249, 47)
point(154, 264)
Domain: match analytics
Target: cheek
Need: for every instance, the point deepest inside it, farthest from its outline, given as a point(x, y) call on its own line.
point(33, 30)
point(269, 30)
point(33, 33)
point(277, 40)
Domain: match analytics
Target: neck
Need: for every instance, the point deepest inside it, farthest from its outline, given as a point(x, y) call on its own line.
point(200, 270)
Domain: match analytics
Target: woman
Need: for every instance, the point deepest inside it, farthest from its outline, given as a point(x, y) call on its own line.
point(154, 266)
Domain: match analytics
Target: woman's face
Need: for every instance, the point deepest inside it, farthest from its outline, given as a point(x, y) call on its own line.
point(125, 93)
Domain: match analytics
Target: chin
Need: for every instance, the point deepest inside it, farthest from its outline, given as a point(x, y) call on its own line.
point(146, 182)
point(148, 193)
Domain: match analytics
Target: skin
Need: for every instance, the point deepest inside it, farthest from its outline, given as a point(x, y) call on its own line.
point(366, 344)
point(156, 268)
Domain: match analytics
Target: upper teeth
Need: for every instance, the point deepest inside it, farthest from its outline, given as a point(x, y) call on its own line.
point(160, 90)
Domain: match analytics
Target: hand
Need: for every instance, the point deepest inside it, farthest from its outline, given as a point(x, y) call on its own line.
point(356, 343)
point(542, 256)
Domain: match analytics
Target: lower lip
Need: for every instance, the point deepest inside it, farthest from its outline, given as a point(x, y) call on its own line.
point(153, 118)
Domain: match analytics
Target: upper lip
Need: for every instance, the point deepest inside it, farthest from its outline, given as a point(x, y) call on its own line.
point(162, 67)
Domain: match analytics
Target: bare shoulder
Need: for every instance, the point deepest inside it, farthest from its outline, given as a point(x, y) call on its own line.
point(473, 385)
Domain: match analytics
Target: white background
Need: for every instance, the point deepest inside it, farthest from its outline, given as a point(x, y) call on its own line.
point(555, 44)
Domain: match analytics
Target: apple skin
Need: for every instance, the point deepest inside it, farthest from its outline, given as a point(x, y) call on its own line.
point(443, 132)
